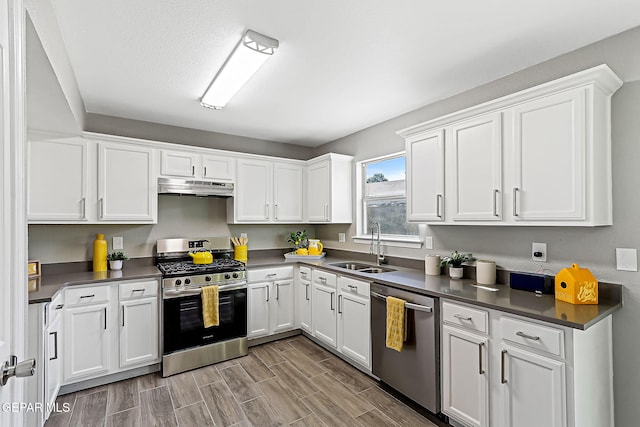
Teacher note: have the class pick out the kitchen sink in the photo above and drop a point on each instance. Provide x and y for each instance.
(362, 268)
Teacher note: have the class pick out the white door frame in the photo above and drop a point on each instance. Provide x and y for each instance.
(13, 225)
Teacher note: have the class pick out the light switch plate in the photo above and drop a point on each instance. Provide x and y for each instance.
(428, 242)
(342, 237)
(118, 243)
(626, 259)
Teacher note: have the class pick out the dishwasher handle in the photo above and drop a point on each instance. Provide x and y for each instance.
(407, 305)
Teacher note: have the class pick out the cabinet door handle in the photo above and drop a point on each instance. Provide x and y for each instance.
(503, 380)
(277, 291)
(105, 318)
(529, 337)
(515, 201)
(352, 287)
(270, 275)
(101, 208)
(480, 364)
(438, 205)
(59, 306)
(267, 292)
(303, 273)
(123, 315)
(55, 345)
(461, 317)
(83, 201)
(326, 211)
(137, 290)
(204, 171)
(495, 202)
(193, 170)
(266, 210)
(306, 291)
(87, 296)
(339, 304)
(332, 307)
(323, 279)
(275, 211)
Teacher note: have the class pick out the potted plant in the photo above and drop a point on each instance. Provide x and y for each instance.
(298, 241)
(455, 261)
(115, 260)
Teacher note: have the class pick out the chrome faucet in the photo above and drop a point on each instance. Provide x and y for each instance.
(375, 226)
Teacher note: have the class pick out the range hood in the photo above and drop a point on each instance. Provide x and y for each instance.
(194, 187)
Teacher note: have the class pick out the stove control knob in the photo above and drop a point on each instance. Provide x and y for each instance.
(178, 282)
(207, 279)
(187, 281)
(235, 275)
(226, 276)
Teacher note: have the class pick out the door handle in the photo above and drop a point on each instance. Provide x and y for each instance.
(529, 337)
(275, 211)
(339, 304)
(55, 345)
(480, 364)
(123, 315)
(332, 307)
(204, 171)
(503, 380)
(101, 208)
(267, 292)
(306, 291)
(438, 205)
(407, 305)
(84, 208)
(495, 202)
(193, 171)
(105, 318)
(11, 368)
(461, 317)
(515, 201)
(277, 291)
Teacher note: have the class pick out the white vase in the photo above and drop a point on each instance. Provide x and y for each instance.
(115, 265)
(455, 272)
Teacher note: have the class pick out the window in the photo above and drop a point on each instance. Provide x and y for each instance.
(384, 197)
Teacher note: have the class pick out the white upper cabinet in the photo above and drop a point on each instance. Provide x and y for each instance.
(425, 176)
(81, 180)
(188, 164)
(58, 179)
(328, 195)
(127, 188)
(267, 192)
(541, 156)
(476, 168)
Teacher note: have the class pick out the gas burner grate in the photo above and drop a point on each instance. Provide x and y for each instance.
(187, 267)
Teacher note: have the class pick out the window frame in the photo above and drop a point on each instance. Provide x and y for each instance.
(398, 240)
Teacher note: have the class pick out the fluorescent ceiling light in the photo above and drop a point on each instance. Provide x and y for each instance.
(247, 57)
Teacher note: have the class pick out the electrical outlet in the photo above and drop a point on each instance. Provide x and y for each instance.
(342, 237)
(118, 243)
(428, 242)
(243, 235)
(539, 252)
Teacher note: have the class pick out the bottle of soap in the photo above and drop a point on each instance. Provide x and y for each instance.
(99, 253)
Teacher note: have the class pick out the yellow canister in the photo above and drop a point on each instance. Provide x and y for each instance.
(576, 285)
(99, 253)
(240, 253)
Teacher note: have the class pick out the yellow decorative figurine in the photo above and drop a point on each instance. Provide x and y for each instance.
(576, 285)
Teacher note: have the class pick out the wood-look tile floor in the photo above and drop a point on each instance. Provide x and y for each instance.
(289, 382)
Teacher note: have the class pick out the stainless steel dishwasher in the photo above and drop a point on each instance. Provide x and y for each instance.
(414, 371)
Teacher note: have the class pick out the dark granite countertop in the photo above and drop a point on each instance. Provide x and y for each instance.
(527, 304)
(45, 287)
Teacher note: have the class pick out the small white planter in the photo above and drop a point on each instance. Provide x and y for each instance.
(455, 272)
(115, 265)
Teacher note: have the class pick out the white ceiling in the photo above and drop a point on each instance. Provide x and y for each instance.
(342, 65)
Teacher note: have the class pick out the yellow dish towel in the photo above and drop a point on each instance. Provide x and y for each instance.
(396, 323)
(210, 306)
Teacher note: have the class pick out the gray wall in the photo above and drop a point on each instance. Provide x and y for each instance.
(510, 246)
(177, 217)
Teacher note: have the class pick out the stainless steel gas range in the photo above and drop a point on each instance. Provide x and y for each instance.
(187, 344)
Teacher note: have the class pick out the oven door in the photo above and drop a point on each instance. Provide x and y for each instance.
(184, 326)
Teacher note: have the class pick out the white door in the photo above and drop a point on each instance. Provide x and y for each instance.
(465, 379)
(526, 378)
(324, 314)
(425, 177)
(138, 331)
(282, 303)
(178, 163)
(304, 305)
(127, 188)
(13, 228)
(86, 341)
(58, 179)
(253, 192)
(476, 163)
(220, 168)
(354, 332)
(258, 317)
(319, 191)
(550, 131)
(287, 192)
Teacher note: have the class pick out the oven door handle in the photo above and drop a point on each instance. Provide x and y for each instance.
(169, 293)
(407, 305)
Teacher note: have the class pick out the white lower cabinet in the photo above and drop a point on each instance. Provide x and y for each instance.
(138, 335)
(503, 370)
(324, 307)
(303, 300)
(270, 301)
(354, 320)
(98, 340)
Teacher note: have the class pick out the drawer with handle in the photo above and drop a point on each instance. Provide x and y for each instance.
(54, 309)
(323, 278)
(305, 273)
(269, 274)
(85, 296)
(357, 287)
(533, 335)
(466, 317)
(129, 290)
